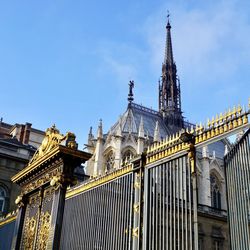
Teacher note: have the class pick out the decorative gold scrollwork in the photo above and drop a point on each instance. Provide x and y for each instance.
(56, 181)
(43, 233)
(30, 227)
(52, 139)
(19, 201)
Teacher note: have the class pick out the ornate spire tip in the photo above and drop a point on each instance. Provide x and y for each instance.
(168, 20)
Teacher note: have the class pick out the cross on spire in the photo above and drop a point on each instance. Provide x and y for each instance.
(168, 15)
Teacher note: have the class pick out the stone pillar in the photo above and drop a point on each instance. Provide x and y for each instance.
(157, 132)
(98, 165)
(118, 146)
(118, 155)
(204, 191)
(141, 138)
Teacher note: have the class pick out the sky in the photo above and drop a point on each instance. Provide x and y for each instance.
(69, 62)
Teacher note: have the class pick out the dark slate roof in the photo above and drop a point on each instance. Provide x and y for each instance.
(130, 121)
(15, 143)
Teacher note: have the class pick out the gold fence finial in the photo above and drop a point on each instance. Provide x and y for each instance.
(173, 139)
(221, 117)
(217, 119)
(196, 127)
(208, 123)
(170, 138)
(239, 109)
(234, 111)
(212, 121)
(192, 129)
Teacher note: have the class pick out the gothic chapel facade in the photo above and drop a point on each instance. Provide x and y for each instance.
(140, 126)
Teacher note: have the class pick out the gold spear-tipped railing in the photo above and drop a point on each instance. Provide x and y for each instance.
(217, 128)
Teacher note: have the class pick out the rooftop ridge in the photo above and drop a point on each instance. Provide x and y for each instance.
(145, 109)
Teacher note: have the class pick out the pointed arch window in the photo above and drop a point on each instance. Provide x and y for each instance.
(3, 195)
(215, 192)
(127, 156)
(110, 161)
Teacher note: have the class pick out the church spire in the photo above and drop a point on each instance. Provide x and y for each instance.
(169, 59)
(169, 87)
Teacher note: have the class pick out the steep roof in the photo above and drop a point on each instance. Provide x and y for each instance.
(130, 121)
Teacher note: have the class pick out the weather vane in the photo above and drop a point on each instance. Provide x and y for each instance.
(168, 15)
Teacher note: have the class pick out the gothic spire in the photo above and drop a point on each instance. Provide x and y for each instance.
(157, 132)
(169, 87)
(99, 130)
(90, 136)
(169, 59)
(141, 129)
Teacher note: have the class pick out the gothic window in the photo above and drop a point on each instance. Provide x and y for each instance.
(215, 192)
(127, 156)
(2, 199)
(110, 161)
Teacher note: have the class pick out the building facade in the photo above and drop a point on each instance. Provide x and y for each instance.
(140, 126)
(18, 143)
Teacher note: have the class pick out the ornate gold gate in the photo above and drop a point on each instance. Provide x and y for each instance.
(43, 186)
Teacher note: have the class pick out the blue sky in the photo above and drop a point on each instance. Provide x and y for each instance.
(69, 62)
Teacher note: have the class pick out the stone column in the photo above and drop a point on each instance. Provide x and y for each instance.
(118, 150)
(204, 191)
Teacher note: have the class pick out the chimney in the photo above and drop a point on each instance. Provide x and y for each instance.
(26, 136)
(21, 133)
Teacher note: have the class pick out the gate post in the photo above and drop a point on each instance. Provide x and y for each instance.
(56, 217)
(190, 139)
(20, 201)
(138, 167)
(43, 186)
(192, 162)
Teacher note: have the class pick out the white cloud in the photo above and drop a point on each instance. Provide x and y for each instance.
(120, 60)
(207, 42)
(122, 71)
(211, 46)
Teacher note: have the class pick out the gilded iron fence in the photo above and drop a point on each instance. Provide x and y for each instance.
(6, 232)
(168, 209)
(109, 212)
(100, 217)
(237, 168)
